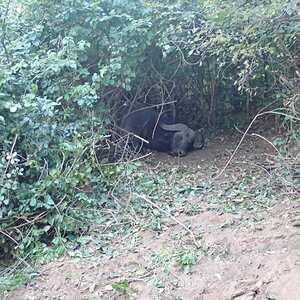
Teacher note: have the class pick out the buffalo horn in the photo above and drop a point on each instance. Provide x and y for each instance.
(174, 127)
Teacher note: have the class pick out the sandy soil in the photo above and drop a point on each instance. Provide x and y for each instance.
(241, 254)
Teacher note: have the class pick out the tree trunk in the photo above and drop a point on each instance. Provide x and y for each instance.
(201, 88)
(213, 100)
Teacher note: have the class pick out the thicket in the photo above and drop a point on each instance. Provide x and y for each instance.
(66, 65)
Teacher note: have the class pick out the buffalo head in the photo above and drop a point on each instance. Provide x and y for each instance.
(182, 139)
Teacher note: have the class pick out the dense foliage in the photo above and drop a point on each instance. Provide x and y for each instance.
(65, 65)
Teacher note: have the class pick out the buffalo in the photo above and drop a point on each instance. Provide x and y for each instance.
(156, 130)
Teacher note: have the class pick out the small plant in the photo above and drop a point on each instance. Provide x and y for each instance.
(123, 287)
(186, 260)
(9, 283)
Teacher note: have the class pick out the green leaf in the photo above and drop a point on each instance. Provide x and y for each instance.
(33, 202)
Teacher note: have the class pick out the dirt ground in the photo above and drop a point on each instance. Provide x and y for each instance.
(240, 253)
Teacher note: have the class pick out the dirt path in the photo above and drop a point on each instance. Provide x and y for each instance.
(248, 240)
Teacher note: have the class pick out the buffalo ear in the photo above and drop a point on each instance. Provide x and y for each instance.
(199, 145)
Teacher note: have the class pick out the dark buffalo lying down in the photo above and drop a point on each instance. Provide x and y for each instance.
(158, 129)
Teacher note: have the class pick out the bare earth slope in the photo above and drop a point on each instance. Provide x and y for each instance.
(245, 252)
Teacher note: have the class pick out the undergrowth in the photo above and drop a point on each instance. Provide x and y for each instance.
(122, 211)
(65, 181)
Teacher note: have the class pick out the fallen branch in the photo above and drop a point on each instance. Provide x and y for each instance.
(170, 216)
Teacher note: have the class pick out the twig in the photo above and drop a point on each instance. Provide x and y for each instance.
(140, 278)
(44, 170)
(246, 133)
(270, 143)
(11, 238)
(170, 216)
(24, 261)
(11, 152)
(39, 216)
(13, 268)
(58, 204)
(236, 149)
(131, 160)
